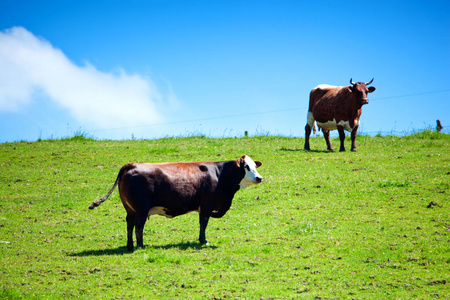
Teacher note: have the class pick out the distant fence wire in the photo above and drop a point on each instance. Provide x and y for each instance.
(405, 132)
(412, 95)
(199, 120)
(445, 128)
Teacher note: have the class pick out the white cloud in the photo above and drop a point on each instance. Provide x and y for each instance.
(29, 64)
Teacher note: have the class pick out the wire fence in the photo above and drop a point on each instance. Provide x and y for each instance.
(444, 129)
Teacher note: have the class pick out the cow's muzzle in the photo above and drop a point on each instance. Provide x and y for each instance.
(258, 179)
(365, 101)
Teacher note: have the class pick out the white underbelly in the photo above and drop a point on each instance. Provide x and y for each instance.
(159, 210)
(162, 211)
(332, 125)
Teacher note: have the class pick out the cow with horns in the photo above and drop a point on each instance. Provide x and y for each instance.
(334, 107)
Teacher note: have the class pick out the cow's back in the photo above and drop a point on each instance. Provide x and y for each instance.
(327, 101)
(323, 94)
(175, 186)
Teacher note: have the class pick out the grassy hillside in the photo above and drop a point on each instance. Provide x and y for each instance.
(368, 225)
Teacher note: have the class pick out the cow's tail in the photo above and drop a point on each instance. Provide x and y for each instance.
(103, 199)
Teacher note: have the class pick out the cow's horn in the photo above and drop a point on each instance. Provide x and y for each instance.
(351, 81)
(369, 82)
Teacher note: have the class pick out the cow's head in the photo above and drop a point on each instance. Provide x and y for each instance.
(251, 175)
(360, 91)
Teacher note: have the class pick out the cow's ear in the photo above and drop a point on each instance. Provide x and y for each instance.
(238, 164)
(241, 161)
(372, 89)
(258, 163)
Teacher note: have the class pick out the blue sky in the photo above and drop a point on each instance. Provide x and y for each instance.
(151, 69)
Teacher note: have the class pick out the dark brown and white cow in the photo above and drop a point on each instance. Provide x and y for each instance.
(335, 107)
(173, 189)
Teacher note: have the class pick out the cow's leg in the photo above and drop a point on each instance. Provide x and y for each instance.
(309, 125)
(130, 227)
(307, 134)
(139, 224)
(204, 218)
(341, 137)
(326, 135)
(353, 136)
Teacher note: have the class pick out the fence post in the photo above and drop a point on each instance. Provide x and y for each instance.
(438, 126)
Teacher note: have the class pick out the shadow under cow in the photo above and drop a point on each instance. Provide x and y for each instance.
(124, 250)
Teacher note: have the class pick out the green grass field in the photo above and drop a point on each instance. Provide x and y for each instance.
(374, 224)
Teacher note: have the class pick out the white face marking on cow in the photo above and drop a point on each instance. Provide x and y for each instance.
(251, 174)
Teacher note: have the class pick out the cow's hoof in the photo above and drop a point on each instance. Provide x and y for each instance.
(130, 249)
(354, 150)
(203, 242)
